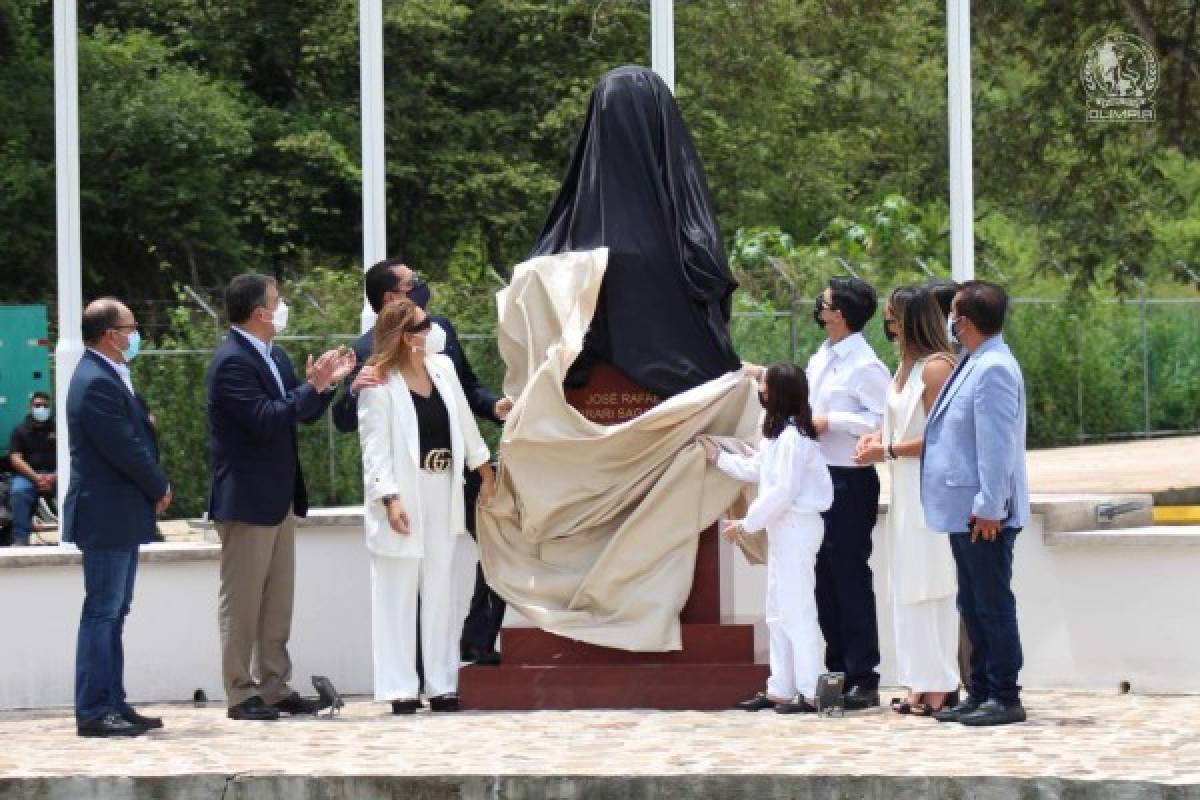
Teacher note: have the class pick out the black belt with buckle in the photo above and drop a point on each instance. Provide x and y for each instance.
(437, 460)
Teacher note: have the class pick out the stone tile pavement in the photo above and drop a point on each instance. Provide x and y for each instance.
(1071, 735)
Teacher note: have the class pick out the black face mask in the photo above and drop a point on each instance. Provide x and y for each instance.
(762, 398)
(889, 332)
(419, 293)
(820, 306)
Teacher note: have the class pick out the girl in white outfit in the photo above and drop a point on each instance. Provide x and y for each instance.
(416, 432)
(794, 487)
(922, 576)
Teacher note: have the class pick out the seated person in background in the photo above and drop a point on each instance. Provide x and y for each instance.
(34, 461)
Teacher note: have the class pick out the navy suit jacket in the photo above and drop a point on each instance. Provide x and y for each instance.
(256, 474)
(115, 477)
(479, 397)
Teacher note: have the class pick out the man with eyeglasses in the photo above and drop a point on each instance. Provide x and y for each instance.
(386, 282)
(116, 488)
(32, 453)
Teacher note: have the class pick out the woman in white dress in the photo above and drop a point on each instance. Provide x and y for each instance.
(417, 433)
(922, 579)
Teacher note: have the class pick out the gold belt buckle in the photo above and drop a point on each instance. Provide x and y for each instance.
(437, 460)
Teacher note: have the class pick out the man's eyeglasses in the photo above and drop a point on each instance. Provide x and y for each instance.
(123, 328)
(413, 282)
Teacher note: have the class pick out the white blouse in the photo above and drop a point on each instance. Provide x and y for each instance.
(791, 475)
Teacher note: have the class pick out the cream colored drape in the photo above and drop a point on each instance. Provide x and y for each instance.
(592, 533)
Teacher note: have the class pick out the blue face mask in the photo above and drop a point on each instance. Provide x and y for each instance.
(131, 350)
(41, 413)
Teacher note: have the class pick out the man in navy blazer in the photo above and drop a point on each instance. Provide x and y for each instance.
(385, 283)
(254, 404)
(974, 486)
(115, 488)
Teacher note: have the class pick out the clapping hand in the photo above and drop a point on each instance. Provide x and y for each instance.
(367, 378)
(344, 365)
(329, 368)
(502, 407)
(869, 449)
(731, 529)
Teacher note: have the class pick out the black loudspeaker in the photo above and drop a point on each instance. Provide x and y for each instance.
(829, 700)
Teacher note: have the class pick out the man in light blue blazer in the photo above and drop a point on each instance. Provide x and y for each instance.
(973, 485)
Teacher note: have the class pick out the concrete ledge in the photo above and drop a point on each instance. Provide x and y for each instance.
(591, 787)
(66, 555)
(1157, 536)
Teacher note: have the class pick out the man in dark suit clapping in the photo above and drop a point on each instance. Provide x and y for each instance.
(255, 401)
(116, 487)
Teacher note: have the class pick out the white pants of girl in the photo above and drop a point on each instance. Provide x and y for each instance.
(796, 646)
(926, 644)
(395, 583)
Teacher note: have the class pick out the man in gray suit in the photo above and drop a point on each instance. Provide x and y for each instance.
(973, 485)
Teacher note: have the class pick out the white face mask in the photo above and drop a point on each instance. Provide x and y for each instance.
(279, 317)
(435, 340)
(41, 413)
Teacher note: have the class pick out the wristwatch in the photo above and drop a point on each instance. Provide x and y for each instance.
(891, 454)
(388, 499)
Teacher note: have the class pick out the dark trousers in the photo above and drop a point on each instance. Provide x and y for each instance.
(989, 610)
(845, 588)
(108, 577)
(486, 615)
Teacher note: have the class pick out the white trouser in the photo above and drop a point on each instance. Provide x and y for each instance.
(394, 588)
(926, 644)
(792, 545)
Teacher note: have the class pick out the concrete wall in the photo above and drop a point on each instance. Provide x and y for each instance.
(1095, 609)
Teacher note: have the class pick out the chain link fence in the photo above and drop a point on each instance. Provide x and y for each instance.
(1104, 370)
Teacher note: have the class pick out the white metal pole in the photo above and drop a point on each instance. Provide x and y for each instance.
(374, 165)
(962, 207)
(662, 40)
(69, 348)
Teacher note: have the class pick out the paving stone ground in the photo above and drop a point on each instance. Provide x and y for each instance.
(1071, 735)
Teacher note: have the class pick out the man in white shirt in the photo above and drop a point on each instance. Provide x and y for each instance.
(847, 390)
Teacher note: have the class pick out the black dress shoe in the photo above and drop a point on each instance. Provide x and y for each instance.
(797, 705)
(756, 703)
(253, 709)
(109, 726)
(994, 713)
(405, 706)
(149, 723)
(295, 704)
(956, 713)
(474, 655)
(859, 699)
(444, 702)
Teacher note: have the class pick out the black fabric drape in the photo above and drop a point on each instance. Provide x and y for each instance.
(636, 185)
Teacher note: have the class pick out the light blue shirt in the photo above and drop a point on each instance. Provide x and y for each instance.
(264, 350)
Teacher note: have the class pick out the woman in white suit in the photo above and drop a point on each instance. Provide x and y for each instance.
(417, 433)
(922, 577)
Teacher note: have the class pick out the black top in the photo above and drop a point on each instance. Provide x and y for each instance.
(636, 185)
(433, 423)
(36, 443)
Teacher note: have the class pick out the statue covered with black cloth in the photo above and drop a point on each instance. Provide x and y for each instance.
(636, 186)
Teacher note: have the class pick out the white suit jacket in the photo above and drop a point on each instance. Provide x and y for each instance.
(387, 430)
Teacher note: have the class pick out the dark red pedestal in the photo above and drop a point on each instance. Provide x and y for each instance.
(540, 670)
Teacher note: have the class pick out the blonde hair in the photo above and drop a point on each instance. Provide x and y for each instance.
(922, 326)
(389, 353)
